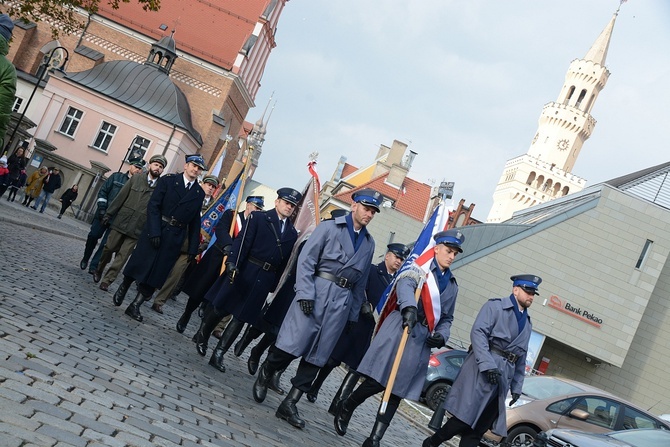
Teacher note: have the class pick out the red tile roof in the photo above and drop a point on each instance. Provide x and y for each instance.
(214, 31)
(348, 170)
(413, 202)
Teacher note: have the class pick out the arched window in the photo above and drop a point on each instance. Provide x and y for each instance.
(566, 190)
(570, 92)
(531, 177)
(557, 188)
(540, 181)
(581, 98)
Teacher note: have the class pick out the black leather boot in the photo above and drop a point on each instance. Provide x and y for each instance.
(377, 434)
(346, 388)
(256, 353)
(183, 322)
(120, 293)
(227, 338)
(133, 310)
(288, 411)
(208, 324)
(313, 392)
(345, 409)
(275, 382)
(249, 335)
(428, 442)
(260, 389)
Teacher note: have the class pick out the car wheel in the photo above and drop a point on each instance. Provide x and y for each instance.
(521, 436)
(436, 393)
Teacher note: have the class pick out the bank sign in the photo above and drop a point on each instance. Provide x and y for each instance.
(575, 311)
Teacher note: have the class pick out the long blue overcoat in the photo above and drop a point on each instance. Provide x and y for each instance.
(378, 360)
(495, 325)
(352, 345)
(244, 298)
(170, 198)
(329, 249)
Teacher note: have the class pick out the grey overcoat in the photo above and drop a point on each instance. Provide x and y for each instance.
(329, 249)
(495, 325)
(378, 360)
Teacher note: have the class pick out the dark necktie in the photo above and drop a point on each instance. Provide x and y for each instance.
(188, 186)
(281, 226)
(151, 183)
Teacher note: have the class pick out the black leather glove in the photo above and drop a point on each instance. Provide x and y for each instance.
(106, 220)
(435, 340)
(367, 311)
(202, 247)
(227, 250)
(307, 306)
(232, 270)
(101, 212)
(349, 327)
(492, 375)
(156, 242)
(409, 318)
(515, 397)
(190, 258)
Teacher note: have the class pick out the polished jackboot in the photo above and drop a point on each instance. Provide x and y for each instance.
(260, 389)
(377, 434)
(345, 409)
(288, 411)
(346, 388)
(249, 335)
(183, 322)
(275, 382)
(133, 310)
(207, 325)
(120, 293)
(227, 338)
(256, 353)
(313, 392)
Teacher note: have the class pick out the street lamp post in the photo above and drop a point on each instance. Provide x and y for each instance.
(45, 63)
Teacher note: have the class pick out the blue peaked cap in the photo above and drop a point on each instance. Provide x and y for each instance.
(529, 283)
(197, 160)
(453, 238)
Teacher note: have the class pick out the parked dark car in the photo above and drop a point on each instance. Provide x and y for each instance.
(443, 367)
(554, 403)
(626, 438)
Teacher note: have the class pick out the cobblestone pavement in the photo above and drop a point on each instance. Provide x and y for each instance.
(74, 370)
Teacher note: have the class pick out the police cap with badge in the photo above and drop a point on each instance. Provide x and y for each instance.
(257, 201)
(451, 238)
(289, 195)
(158, 158)
(368, 197)
(400, 250)
(197, 160)
(529, 283)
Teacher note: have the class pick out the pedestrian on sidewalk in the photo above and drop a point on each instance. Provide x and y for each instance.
(4, 175)
(173, 214)
(51, 183)
(34, 185)
(67, 198)
(429, 327)
(496, 363)
(16, 163)
(330, 289)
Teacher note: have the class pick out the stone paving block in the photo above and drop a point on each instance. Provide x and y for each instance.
(34, 393)
(133, 440)
(101, 438)
(61, 422)
(62, 435)
(77, 410)
(92, 424)
(28, 436)
(26, 363)
(8, 440)
(38, 406)
(121, 426)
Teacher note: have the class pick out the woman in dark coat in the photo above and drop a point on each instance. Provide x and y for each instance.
(67, 198)
(16, 164)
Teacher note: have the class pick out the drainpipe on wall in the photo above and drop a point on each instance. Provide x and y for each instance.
(167, 144)
(88, 22)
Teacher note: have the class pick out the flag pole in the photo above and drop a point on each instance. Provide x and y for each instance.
(243, 180)
(398, 358)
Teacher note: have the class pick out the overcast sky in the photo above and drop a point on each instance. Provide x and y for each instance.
(462, 83)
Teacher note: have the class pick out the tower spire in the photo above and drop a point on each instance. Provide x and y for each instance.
(598, 52)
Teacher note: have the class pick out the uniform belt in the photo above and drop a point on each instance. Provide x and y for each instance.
(264, 265)
(173, 222)
(509, 356)
(338, 280)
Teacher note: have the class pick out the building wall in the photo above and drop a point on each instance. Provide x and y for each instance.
(588, 259)
(389, 221)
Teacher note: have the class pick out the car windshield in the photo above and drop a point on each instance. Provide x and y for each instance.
(545, 387)
(643, 438)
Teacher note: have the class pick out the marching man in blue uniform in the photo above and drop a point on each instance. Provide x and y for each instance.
(330, 289)
(353, 344)
(173, 214)
(429, 324)
(259, 255)
(496, 364)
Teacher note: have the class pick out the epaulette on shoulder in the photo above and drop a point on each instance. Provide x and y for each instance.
(413, 272)
(495, 299)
